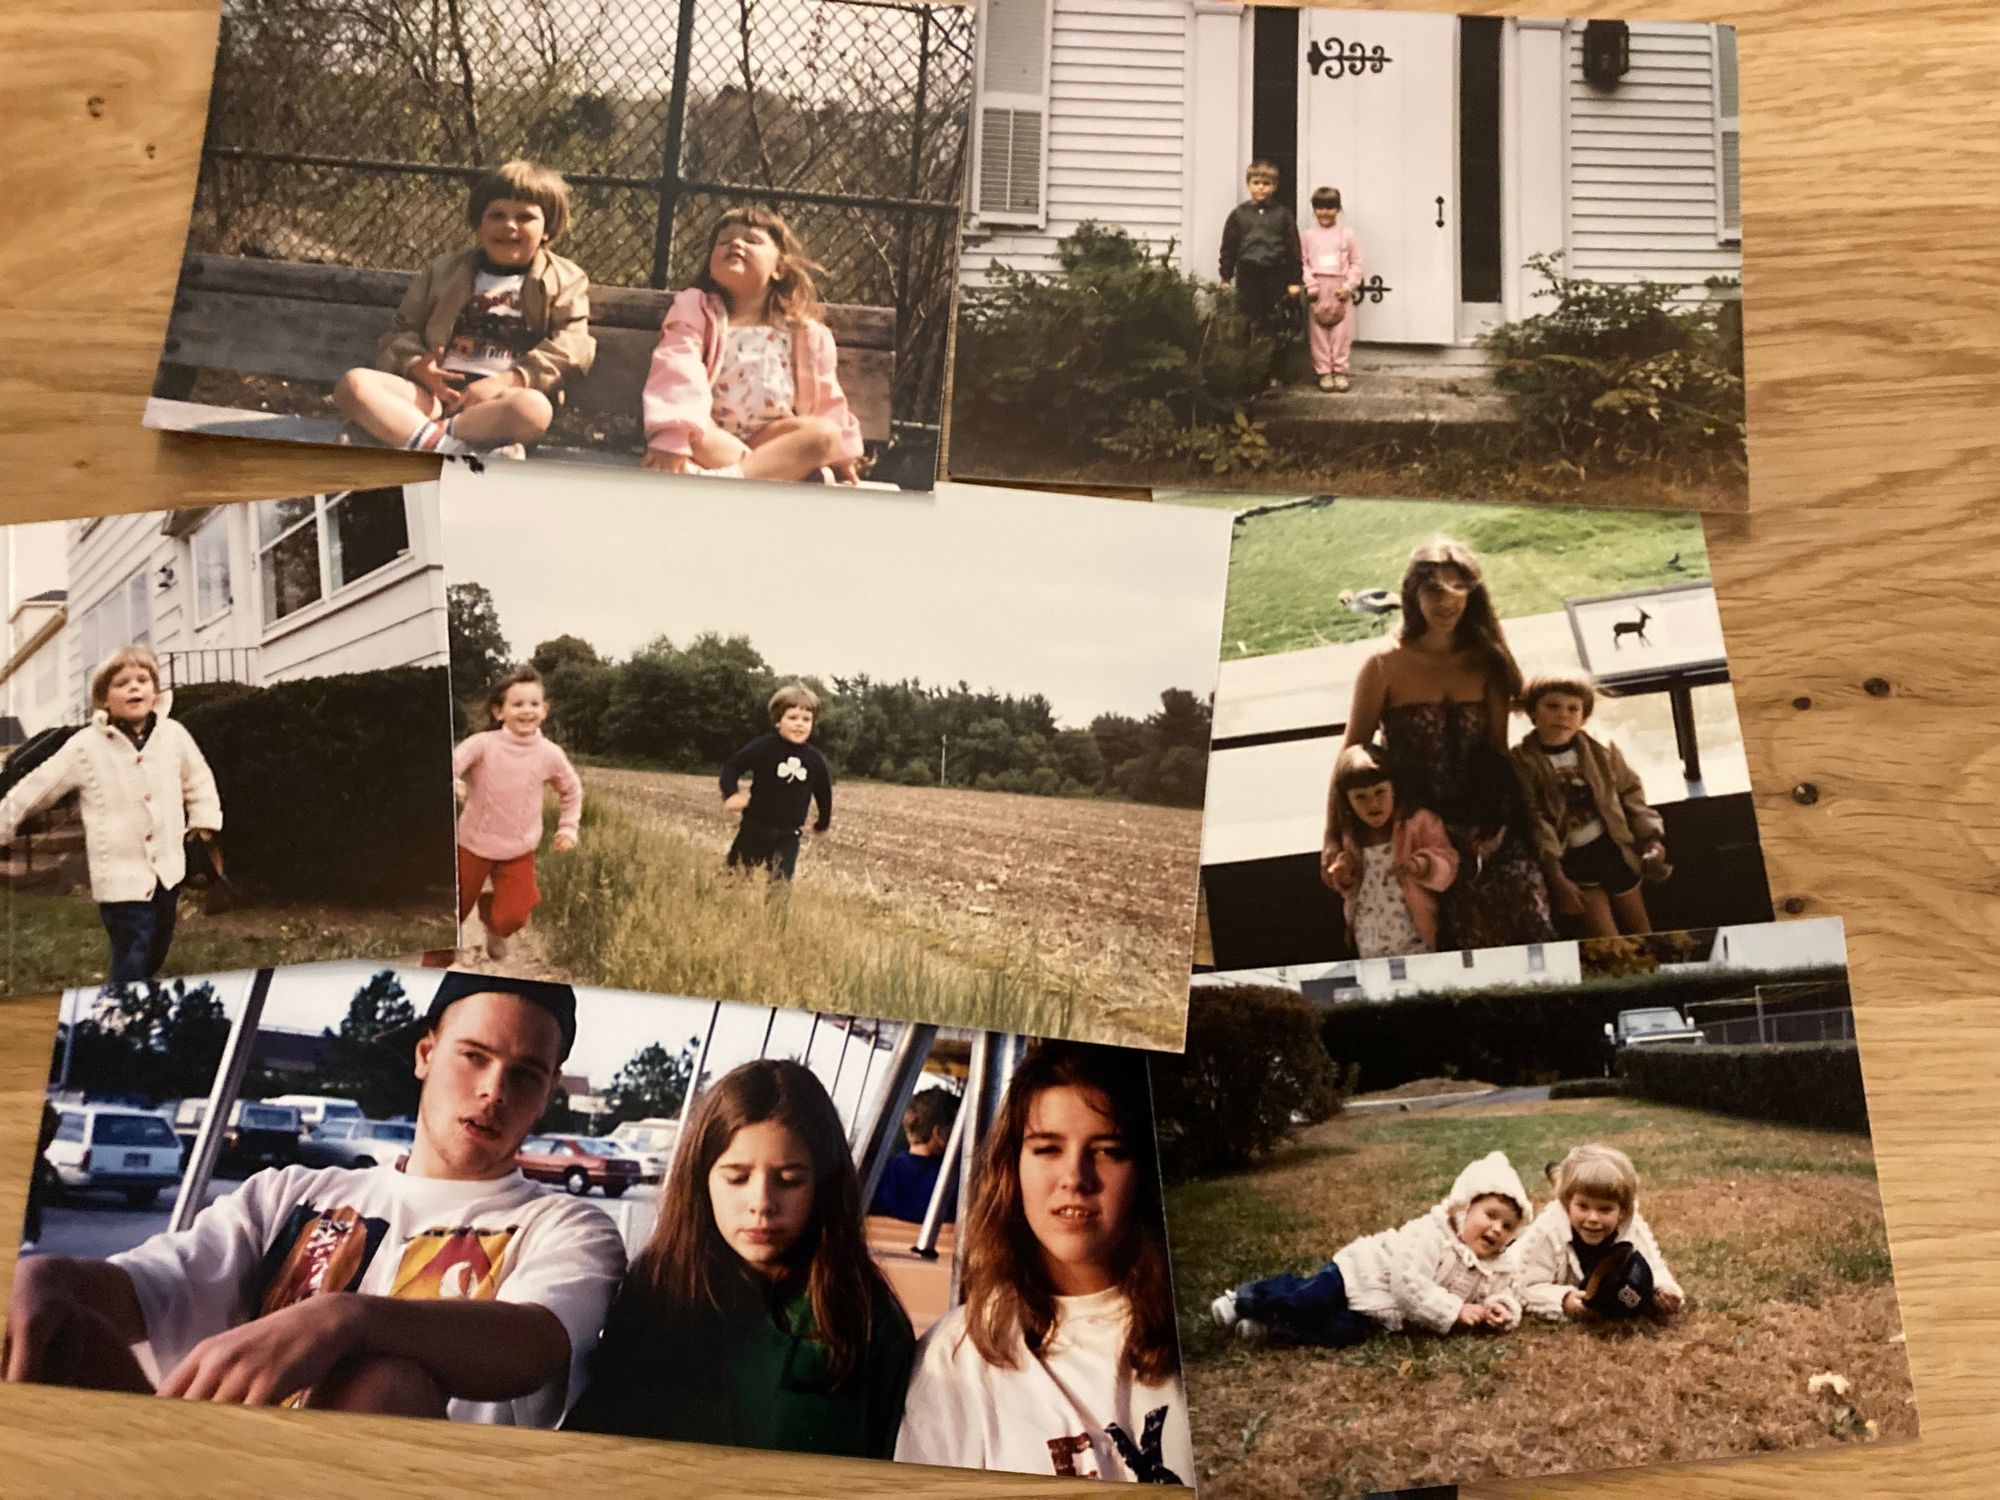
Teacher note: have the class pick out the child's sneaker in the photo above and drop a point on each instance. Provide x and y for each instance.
(1223, 1310)
(1342, 384)
(515, 451)
(1326, 382)
(496, 945)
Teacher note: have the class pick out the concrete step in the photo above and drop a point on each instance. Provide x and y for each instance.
(1384, 405)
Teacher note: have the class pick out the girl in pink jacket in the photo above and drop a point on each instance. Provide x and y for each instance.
(1388, 860)
(499, 774)
(743, 381)
(1332, 276)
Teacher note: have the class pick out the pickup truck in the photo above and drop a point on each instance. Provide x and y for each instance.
(1648, 1026)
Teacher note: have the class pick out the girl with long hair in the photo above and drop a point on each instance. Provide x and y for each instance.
(1062, 1358)
(745, 381)
(754, 1315)
(1440, 698)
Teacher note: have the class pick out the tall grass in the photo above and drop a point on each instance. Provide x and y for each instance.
(639, 905)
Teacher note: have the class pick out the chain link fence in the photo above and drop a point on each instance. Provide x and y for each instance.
(347, 131)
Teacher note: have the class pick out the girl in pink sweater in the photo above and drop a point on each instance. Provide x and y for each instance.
(744, 380)
(499, 774)
(1387, 859)
(1333, 274)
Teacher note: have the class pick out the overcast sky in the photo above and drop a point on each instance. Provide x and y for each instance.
(1098, 604)
(612, 1025)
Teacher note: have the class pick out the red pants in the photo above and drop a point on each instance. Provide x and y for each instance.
(506, 911)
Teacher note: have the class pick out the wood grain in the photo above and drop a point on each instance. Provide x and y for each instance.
(1872, 303)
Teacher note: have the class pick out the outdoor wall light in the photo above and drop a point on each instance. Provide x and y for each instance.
(166, 576)
(1607, 52)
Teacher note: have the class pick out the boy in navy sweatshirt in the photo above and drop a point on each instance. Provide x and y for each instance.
(785, 774)
(1261, 252)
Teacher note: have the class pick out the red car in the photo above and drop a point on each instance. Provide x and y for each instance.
(578, 1162)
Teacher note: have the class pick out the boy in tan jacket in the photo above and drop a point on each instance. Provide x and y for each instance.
(1595, 834)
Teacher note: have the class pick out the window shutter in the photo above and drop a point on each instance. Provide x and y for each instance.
(1728, 139)
(1012, 157)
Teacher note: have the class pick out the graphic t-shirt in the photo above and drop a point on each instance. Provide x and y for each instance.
(1580, 823)
(1075, 1411)
(784, 780)
(491, 332)
(291, 1232)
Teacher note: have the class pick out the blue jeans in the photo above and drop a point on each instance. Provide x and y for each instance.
(1305, 1309)
(141, 932)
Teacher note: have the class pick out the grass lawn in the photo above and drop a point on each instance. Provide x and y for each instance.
(57, 941)
(1288, 568)
(1775, 1233)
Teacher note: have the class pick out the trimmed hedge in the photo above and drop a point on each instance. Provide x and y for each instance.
(333, 788)
(1253, 1069)
(1804, 1083)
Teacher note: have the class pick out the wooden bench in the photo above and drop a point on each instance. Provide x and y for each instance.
(314, 322)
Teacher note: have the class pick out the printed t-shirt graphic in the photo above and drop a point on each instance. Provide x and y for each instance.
(491, 332)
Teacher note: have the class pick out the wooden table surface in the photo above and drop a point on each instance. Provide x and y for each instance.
(1858, 597)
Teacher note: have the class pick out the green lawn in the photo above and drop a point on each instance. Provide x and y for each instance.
(1774, 1232)
(1288, 568)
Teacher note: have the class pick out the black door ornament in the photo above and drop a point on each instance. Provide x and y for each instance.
(1334, 58)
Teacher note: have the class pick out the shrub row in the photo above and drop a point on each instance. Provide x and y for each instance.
(333, 788)
(1804, 1083)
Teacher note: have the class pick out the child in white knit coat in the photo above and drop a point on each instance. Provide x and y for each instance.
(1595, 1212)
(144, 787)
(1443, 1270)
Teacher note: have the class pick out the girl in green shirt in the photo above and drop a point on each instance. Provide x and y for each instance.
(755, 1316)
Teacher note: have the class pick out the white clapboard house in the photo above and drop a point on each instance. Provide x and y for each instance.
(345, 581)
(1462, 145)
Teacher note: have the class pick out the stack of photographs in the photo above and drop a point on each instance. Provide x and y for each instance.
(907, 954)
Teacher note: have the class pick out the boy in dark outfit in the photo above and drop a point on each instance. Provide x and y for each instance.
(786, 773)
(1261, 252)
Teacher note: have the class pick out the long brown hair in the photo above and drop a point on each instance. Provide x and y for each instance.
(1478, 627)
(687, 1266)
(792, 298)
(1010, 1300)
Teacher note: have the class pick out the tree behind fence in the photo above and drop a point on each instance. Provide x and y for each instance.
(347, 132)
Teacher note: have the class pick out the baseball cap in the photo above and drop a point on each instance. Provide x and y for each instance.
(559, 1000)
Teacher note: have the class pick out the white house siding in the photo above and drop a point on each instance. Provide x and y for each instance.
(104, 554)
(1116, 132)
(1644, 190)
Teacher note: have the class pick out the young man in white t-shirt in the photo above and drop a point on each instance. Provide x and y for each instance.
(451, 1287)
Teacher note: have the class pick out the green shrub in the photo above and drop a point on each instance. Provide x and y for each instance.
(1253, 1069)
(1119, 355)
(1589, 1088)
(1619, 372)
(333, 788)
(1805, 1083)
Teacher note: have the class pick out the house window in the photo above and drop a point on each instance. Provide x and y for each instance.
(1538, 961)
(1399, 969)
(315, 545)
(1011, 156)
(212, 596)
(1465, 958)
(1728, 141)
(121, 618)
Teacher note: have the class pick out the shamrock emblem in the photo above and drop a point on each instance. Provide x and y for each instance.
(791, 768)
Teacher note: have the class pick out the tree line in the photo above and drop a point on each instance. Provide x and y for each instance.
(689, 707)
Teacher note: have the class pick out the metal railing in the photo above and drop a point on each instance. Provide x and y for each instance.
(347, 131)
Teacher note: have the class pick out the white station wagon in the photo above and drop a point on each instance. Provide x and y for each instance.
(102, 1147)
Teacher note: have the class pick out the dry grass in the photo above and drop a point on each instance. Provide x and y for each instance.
(1052, 916)
(1775, 1233)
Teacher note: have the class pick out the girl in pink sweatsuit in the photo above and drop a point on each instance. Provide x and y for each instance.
(744, 380)
(1332, 276)
(499, 774)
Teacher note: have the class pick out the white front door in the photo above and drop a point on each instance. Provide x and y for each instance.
(1378, 119)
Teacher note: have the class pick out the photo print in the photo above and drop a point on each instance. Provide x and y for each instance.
(565, 231)
(760, 1227)
(1273, 248)
(1528, 1211)
(934, 758)
(1445, 727)
(222, 730)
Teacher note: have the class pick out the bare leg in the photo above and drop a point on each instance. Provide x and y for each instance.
(382, 1384)
(792, 448)
(1597, 918)
(387, 407)
(1631, 910)
(518, 417)
(85, 1350)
